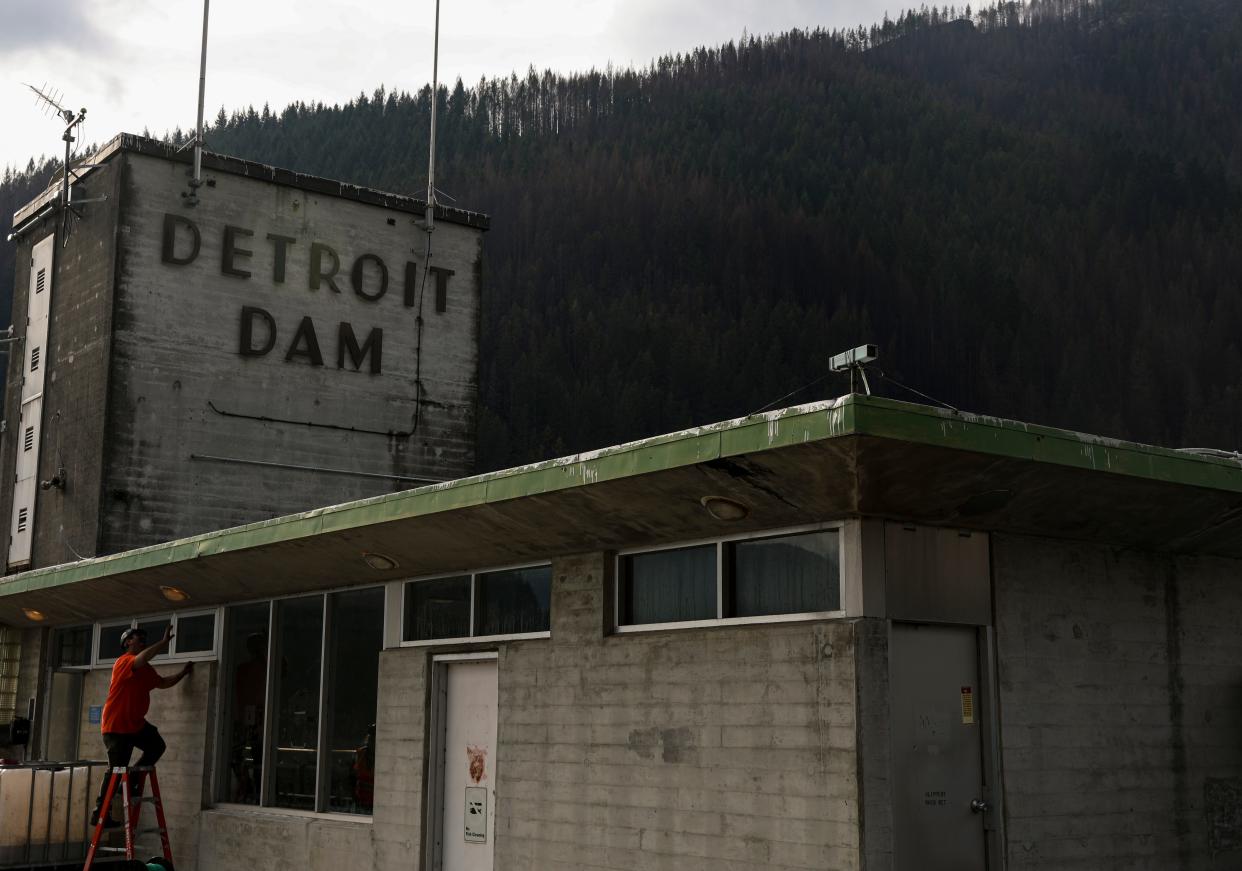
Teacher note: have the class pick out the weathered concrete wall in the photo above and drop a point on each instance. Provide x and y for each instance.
(184, 716)
(253, 837)
(66, 521)
(1121, 707)
(721, 749)
(182, 390)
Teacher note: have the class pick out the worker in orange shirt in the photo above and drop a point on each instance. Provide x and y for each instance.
(124, 723)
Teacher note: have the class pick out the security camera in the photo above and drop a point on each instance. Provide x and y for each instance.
(854, 357)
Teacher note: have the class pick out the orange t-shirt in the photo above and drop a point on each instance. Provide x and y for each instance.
(129, 696)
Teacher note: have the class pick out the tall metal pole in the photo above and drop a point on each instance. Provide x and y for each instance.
(197, 181)
(430, 216)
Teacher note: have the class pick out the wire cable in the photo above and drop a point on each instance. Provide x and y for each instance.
(791, 393)
(920, 393)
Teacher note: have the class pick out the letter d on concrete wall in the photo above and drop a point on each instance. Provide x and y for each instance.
(168, 248)
(248, 315)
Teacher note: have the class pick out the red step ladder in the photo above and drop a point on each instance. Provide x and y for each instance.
(131, 782)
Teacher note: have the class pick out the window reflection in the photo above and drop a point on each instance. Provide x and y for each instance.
(245, 649)
(513, 601)
(295, 732)
(787, 574)
(356, 638)
(669, 586)
(439, 608)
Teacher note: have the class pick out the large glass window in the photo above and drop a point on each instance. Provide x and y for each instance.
(300, 706)
(244, 687)
(762, 576)
(298, 634)
(669, 586)
(504, 602)
(356, 637)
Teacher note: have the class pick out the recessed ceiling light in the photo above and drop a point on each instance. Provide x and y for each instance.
(723, 508)
(379, 561)
(32, 614)
(174, 594)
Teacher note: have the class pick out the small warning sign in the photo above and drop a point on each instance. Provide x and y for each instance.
(968, 706)
(94, 714)
(476, 815)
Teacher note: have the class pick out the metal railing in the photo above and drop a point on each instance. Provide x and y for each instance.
(52, 835)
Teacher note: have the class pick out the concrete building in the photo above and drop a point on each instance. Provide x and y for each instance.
(288, 342)
(858, 634)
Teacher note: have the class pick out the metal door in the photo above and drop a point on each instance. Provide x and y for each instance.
(64, 715)
(467, 809)
(938, 818)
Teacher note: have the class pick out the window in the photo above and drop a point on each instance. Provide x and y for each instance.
(71, 646)
(297, 646)
(669, 586)
(759, 577)
(786, 574)
(194, 636)
(243, 680)
(303, 738)
(504, 602)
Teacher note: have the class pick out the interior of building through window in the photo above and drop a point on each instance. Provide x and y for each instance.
(437, 608)
(786, 574)
(356, 636)
(155, 631)
(669, 586)
(244, 694)
(513, 601)
(295, 668)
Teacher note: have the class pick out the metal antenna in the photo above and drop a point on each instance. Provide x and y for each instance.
(197, 181)
(51, 100)
(429, 222)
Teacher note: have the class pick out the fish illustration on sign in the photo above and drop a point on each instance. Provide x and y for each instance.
(478, 761)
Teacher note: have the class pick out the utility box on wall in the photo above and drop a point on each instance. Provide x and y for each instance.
(288, 342)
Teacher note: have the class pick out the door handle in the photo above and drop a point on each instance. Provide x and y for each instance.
(979, 806)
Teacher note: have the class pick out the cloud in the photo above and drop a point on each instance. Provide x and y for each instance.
(38, 25)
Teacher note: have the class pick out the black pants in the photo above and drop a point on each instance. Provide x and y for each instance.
(121, 747)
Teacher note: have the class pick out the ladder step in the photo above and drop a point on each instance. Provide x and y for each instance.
(153, 830)
(102, 849)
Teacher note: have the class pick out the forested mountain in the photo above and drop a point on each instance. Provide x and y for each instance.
(1034, 210)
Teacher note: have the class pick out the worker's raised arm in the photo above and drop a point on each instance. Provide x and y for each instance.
(144, 658)
(174, 679)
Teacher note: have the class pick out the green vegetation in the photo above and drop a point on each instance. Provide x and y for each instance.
(1035, 211)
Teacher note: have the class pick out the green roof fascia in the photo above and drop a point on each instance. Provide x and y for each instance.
(684, 448)
(849, 415)
(902, 421)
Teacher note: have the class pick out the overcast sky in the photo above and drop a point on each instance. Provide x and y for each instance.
(134, 63)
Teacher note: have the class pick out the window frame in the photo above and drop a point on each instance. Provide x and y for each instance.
(219, 757)
(217, 612)
(54, 652)
(721, 543)
(473, 574)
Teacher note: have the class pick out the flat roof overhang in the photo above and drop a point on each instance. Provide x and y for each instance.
(854, 456)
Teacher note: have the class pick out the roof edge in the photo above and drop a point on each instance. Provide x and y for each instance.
(129, 142)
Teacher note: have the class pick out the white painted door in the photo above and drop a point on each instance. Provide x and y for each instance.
(30, 422)
(468, 808)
